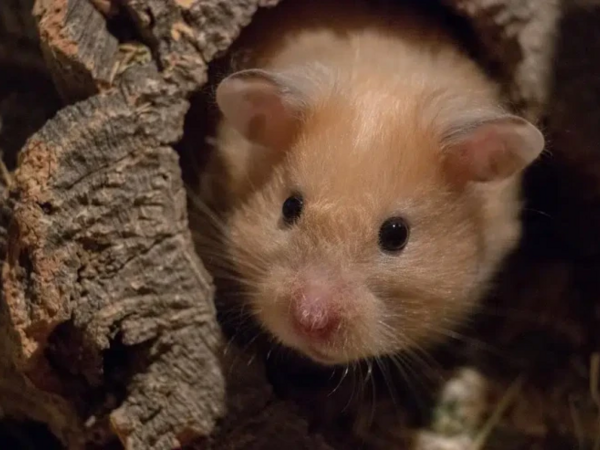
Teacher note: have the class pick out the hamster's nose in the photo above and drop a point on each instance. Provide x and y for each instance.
(315, 314)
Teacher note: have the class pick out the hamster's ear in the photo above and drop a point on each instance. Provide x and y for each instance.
(493, 149)
(260, 106)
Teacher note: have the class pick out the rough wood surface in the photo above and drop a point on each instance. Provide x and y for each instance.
(83, 266)
(77, 48)
(108, 332)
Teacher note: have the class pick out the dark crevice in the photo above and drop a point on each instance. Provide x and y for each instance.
(122, 362)
(48, 208)
(127, 26)
(120, 24)
(78, 366)
(199, 126)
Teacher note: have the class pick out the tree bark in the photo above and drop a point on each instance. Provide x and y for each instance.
(108, 332)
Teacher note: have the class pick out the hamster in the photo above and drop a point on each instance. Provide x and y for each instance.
(371, 178)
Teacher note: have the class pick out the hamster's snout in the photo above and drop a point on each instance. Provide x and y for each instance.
(326, 313)
(315, 312)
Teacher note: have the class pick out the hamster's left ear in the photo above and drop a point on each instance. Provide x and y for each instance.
(494, 148)
(261, 105)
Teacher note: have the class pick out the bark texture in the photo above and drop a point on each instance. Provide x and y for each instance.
(108, 331)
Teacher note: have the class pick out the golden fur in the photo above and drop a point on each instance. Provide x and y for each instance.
(380, 93)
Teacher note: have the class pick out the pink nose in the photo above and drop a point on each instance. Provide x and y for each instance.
(315, 313)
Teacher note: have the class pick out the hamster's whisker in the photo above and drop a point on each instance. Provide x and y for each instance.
(388, 381)
(232, 339)
(374, 390)
(239, 354)
(370, 370)
(200, 206)
(470, 341)
(217, 225)
(423, 357)
(223, 241)
(353, 390)
(361, 384)
(341, 380)
(416, 353)
(214, 257)
(248, 285)
(237, 317)
(411, 365)
(412, 378)
(250, 342)
(537, 211)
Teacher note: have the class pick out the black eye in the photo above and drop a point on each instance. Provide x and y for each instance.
(393, 234)
(292, 208)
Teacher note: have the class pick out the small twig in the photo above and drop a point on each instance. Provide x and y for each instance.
(496, 416)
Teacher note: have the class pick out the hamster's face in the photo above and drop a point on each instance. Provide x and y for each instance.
(359, 245)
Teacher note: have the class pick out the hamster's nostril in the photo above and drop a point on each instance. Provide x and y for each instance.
(315, 315)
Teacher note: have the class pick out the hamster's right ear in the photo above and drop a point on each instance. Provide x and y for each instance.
(261, 106)
(493, 148)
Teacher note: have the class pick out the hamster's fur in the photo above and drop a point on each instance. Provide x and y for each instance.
(364, 115)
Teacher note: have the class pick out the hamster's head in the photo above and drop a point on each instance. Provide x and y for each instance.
(373, 223)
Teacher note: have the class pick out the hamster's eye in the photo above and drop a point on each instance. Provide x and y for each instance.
(393, 234)
(292, 209)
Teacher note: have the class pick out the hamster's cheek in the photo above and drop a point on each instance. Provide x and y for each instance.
(421, 321)
(255, 229)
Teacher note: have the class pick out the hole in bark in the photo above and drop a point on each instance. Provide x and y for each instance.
(121, 26)
(122, 362)
(25, 261)
(48, 208)
(95, 380)
(77, 366)
(129, 27)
